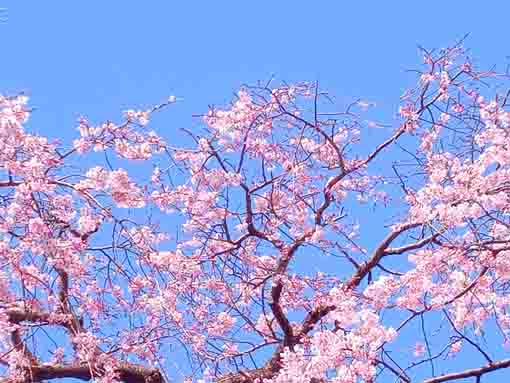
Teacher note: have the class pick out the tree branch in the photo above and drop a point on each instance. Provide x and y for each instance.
(474, 373)
(128, 373)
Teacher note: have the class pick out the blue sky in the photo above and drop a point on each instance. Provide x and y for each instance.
(97, 58)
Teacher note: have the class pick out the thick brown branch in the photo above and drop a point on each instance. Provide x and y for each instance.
(316, 315)
(412, 246)
(128, 373)
(75, 325)
(376, 257)
(473, 373)
(17, 315)
(280, 315)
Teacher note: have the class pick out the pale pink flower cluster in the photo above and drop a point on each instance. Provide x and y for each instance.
(87, 345)
(124, 192)
(263, 199)
(128, 140)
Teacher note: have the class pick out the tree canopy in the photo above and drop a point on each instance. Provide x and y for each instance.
(244, 256)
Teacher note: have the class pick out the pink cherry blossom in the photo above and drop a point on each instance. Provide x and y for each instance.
(281, 243)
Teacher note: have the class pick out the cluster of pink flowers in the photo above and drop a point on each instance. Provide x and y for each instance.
(128, 140)
(122, 190)
(266, 195)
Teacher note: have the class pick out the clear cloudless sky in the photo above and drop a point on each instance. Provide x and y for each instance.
(97, 58)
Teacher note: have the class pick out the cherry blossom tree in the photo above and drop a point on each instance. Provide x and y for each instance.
(254, 253)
